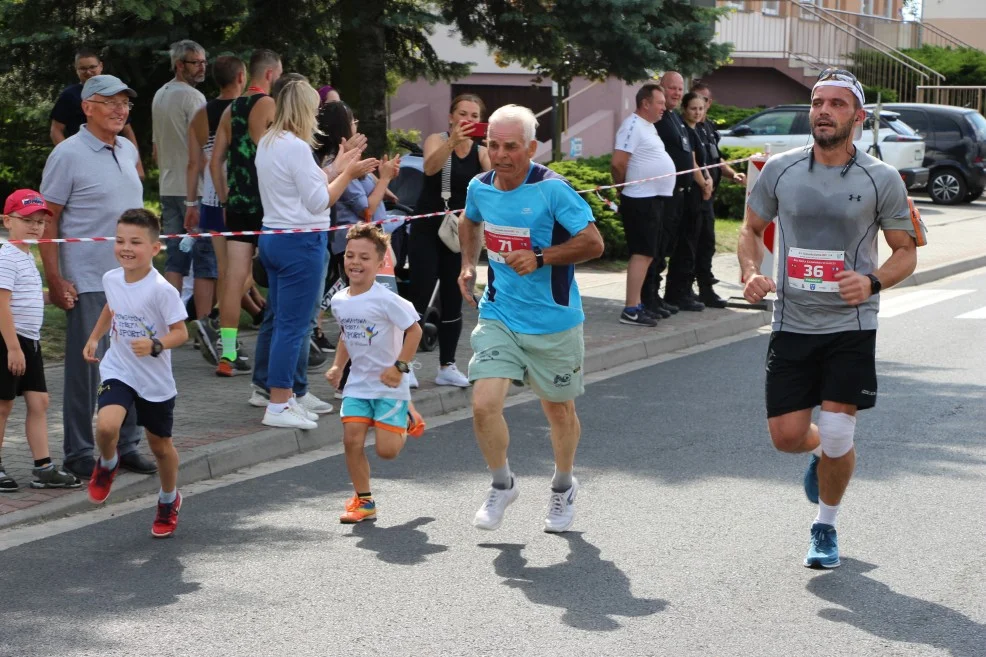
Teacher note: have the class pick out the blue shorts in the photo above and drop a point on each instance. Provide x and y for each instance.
(388, 414)
(157, 417)
(203, 256)
(211, 218)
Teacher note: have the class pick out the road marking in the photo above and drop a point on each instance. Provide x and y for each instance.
(974, 314)
(905, 303)
(17, 536)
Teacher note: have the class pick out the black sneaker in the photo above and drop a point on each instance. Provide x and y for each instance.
(669, 307)
(689, 304)
(657, 311)
(316, 357)
(322, 342)
(637, 317)
(709, 297)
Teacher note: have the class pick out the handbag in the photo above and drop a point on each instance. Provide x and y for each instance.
(448, 231)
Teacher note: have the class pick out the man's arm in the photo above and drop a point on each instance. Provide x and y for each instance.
(749, 250)
(217, 164)
(128, 132)
(261, 117)
(618, 166)
(57, 132)
(470, 244)
(61, 292)
(585, 245)
(855, 287)
(195, 167)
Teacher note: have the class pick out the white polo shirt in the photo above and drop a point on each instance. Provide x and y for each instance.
(648, 158)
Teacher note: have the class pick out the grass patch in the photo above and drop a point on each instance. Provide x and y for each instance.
(727, 235)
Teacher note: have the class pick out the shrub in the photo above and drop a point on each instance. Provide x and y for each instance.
(393, 136)
(587, 173)
(730, 199)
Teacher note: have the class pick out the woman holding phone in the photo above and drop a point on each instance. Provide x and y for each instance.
(457, 156)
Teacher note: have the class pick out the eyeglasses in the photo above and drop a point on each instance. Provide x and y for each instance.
(37, 223)
(195, 62)
(86, 69)
(115, 104)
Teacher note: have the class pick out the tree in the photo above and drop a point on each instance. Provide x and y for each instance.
(565, 39)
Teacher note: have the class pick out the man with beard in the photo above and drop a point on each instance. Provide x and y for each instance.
(830, 201)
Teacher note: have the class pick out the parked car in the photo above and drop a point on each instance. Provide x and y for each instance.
(785, 127)
(956, 146)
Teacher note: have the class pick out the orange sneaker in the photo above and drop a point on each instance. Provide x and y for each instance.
(415, 424)
(225, 367)
(359, 509)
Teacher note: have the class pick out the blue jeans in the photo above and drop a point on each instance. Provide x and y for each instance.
(295, 265)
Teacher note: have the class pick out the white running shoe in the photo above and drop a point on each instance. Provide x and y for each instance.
(313, 404)
(290, 418)
(490, 515)
(451, 376)
(412, 380)
(304, 412)
(258, 397)
(561, 509)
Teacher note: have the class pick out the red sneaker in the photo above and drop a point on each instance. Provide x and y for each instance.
(101, 481)
(166, 521)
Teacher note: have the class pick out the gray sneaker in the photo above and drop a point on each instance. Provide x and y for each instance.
(52, 477)
(208, 339)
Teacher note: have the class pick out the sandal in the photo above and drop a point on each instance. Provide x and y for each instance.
(7, 483)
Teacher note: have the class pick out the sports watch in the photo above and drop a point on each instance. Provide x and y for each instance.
(402, 366)
(875, 284)
(156, 347)
(539, 255)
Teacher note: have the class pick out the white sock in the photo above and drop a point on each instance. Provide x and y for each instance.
(817, 451)
(167, 498)
(109, 465)
(826, 514)
(276, 408)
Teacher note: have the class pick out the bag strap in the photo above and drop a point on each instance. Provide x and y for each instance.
(447, 177)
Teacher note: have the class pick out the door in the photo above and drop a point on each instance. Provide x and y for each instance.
(918, 120)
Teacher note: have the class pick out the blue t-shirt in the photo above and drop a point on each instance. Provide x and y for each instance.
(544, 211)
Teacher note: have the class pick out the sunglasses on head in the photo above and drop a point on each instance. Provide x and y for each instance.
(837, 74)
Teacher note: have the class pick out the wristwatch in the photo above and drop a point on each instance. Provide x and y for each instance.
(875, 284)
(402, 366)
(156, 347)
(190, 204)
(539, 255)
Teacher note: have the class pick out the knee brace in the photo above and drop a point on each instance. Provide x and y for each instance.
(836, 431)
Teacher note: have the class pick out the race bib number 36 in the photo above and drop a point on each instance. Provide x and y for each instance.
(504, 239)
(813, 270)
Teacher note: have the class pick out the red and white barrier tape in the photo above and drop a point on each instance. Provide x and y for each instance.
(398, 219)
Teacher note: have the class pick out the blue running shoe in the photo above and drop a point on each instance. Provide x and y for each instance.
(811, 480)
(823, 551)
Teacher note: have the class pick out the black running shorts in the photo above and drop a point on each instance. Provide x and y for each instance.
(803, 370)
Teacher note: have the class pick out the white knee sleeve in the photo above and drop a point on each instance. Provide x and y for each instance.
(836, 431)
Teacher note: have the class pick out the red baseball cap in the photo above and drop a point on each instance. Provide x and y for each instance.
(25, 202)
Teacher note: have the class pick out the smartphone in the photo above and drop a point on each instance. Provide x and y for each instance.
(479, 129)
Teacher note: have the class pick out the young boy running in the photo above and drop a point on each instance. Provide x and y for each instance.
(21, 313)
(145, 317)
(380, 334)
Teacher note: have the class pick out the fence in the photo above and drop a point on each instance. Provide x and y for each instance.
(972, 97)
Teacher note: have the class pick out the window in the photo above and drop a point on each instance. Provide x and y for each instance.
(773, 123)
(738, 5)
(771, 7)
(917, 119)
(867, 7)
(808, 15)
(946, 128)
(978, 124)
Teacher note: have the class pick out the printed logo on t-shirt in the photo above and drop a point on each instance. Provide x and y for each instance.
(359, 331)
(130, 326)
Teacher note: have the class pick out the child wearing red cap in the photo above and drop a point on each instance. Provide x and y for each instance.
(21, 313)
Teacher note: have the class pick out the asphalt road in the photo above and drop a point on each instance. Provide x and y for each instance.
(689, 538)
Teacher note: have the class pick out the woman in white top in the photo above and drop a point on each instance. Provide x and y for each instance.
(295, 193)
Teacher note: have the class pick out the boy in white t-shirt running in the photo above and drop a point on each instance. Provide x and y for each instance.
(379, 332)
(22, 371)
(145, 318)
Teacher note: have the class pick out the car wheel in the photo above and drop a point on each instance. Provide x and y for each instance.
(973, 194)
(947, 187)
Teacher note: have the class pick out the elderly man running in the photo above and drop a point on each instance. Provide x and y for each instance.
(535, 228)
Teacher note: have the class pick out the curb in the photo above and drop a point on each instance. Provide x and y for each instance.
(943, 271)
(218, 459)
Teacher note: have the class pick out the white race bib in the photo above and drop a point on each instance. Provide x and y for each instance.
(814, 270)
(501, 240)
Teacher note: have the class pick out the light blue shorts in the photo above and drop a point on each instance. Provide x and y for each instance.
(388, 414)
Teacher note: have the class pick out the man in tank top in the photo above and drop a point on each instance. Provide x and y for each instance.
(240, 129)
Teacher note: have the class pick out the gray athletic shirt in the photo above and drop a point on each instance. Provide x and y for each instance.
(827, 221)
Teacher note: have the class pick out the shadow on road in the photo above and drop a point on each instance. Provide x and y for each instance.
(403, 545)
(589, 589)
(874, 607)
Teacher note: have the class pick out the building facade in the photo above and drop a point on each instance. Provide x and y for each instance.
(964, 19)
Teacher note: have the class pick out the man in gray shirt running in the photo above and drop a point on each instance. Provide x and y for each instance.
(830, 201)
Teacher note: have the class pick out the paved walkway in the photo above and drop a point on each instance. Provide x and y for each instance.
(216, 431)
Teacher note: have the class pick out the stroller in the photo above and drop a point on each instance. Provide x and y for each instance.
(407, 187)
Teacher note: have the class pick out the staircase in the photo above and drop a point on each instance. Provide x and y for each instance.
(802, 40)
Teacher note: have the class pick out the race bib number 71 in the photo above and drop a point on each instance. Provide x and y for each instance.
(814, 270)
(504, 239)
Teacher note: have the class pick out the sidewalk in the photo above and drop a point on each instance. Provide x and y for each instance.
(217, 432)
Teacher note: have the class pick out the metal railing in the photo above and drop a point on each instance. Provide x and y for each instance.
(900, 34)
(972, 97)
(812, 38)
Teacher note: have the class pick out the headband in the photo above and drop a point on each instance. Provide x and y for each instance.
(855, 88)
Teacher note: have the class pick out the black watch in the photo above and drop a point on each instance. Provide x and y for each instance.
(402, 366)
(875, 284)
(539, 255)
(156, 347)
